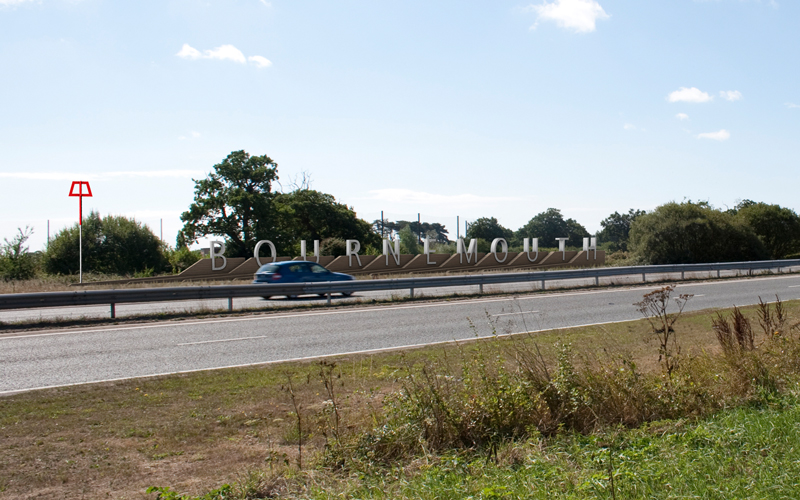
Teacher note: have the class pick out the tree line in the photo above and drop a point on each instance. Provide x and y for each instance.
(237, 202)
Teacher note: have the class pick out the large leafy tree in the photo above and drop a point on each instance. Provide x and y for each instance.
(306, 214)
(777, 227)
(111, 244)
(549, 225)
(234, 201)
(487, 228)
(617, 228)
(688, 233)
(436, 230)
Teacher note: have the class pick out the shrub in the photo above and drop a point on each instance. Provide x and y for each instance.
(16, 261)
(687, 233)
(111, 245)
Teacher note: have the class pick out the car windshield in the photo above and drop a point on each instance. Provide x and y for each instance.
(316, 268)
(268, 268)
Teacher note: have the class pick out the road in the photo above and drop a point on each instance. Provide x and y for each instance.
(56, 358)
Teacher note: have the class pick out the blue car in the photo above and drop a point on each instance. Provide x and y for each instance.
(296, 271)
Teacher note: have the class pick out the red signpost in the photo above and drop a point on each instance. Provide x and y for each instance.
(80, 194)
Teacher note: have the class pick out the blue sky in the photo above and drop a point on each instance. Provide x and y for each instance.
(445, 108)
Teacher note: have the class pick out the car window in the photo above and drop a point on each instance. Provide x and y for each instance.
(316, 268)
(268, 268)
(298, 268)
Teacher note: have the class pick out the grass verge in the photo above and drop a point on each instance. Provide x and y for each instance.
(465, 420)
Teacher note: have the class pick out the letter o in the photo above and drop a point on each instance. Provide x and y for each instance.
(271, 247)
(503, 245)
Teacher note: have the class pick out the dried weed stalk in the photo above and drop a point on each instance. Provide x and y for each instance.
(653, 307)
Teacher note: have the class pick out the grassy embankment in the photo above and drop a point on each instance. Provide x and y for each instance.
(578, 413)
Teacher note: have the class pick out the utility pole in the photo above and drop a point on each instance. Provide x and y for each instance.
(419, 230)
(457, 227)
(381, 224)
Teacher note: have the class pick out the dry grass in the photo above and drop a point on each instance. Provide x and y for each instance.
(197, 431)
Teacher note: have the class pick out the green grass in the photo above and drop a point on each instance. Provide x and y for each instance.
(740, 453)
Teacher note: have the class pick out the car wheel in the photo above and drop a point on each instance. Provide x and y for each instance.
(291, 297)
(347, 294)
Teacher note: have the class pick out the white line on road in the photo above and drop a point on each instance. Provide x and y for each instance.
(225, 340)
(521, 312)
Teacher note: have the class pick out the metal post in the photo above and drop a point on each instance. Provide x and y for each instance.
(682, 273)
(480, 288)
(542, 284)
(718, 273)
(113, 310)
(230, 303)
(412, 292)
(419, 230)
(328, 295)
(381, 227)
(644, 278)
(162, 229)
(80, 252)
(597, 281)
(458, 227)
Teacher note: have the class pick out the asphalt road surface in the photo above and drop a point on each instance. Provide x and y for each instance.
(56, 358)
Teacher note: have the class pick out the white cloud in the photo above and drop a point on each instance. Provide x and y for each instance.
(722, 135)
(629, 126)
(578, 15)
(226, 52)
(260, 61)
(407, 196)
(8, 3)
(192, 135)
(791, 105)
(682, 116)
(267, 4)
(730, 95)
(693, 94)
(71, 176)
(223, 53)
(189, 52)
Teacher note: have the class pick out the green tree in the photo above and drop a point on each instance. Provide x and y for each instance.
(408, 241)
(181, 258)
(234, 201)
(16, 261)
(688, 233)
(487, 228)
(111, 245)
(616, 229)
(306, 214)
(549, 225)
(777, 227)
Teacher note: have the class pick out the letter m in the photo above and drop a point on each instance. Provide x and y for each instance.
(471, 252)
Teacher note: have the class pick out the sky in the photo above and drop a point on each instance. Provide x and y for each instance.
(447, 109)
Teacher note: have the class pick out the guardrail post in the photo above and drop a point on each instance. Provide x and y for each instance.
(480, 288)
(230, 303)
(412, 292)
(644, 277)
(113, 310)
(682, 274)
(328, 295)
(717, 273)
(597, 281)
(542, 284)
